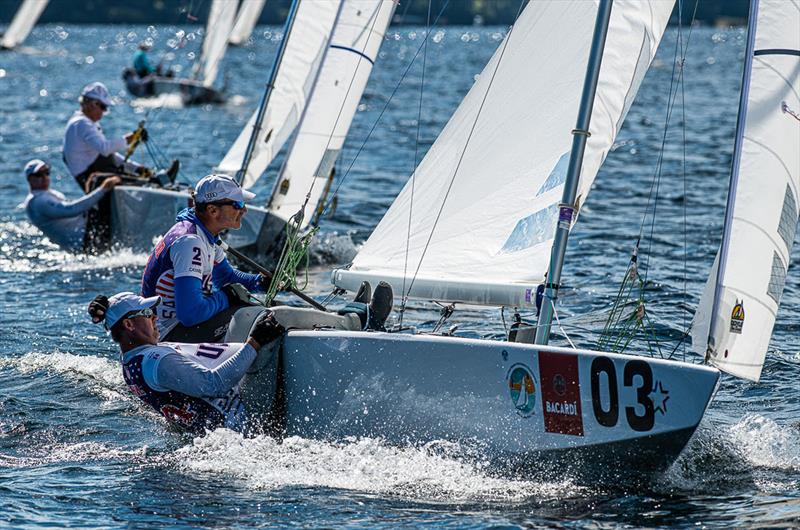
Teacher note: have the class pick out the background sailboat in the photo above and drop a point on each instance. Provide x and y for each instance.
(199, 88)
(319, 101)
(246, 21)
(22, 24)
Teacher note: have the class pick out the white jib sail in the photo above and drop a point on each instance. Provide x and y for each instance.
(342, 78)
(485, 197)
(23, 22)
(246, 20)
(763, 205)
(301, 60)
(215, 41)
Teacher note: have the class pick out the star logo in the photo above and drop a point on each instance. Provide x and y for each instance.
(659, 396)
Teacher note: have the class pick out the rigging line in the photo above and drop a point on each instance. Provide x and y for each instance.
(655, 186)
(380, 115)
(466, 144)
(404, 298)
(361, 57)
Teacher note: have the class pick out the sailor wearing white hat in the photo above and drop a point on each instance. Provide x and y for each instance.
(194, 386)
(187, 265)
(63, 222)
(86, 149)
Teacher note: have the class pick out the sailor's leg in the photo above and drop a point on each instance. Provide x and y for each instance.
(212, 330)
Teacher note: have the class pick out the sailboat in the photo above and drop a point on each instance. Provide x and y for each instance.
(320, 115)
(22, 23)
(246, 21)
(318, 78)
(199, 88)
(494, 201)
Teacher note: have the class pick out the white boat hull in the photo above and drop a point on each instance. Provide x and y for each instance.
(140, 215)
(520, 404)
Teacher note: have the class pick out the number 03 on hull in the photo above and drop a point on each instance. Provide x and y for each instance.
(523, 404)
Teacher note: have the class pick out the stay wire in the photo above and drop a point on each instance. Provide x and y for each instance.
(405, 295)
(466, 145)
(329, 203)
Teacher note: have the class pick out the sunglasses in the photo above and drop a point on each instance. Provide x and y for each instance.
(237, 205)
(41, 173)
(147, 312)
(101, 105)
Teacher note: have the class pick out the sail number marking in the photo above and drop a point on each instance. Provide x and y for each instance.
(609, 416)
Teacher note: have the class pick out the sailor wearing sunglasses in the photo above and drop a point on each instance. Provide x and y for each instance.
(86, 148)
(199, 288)
(194, 386)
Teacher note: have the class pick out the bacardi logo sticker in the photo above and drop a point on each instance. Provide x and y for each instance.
(561, 393)
(737, 317)
(522, 389)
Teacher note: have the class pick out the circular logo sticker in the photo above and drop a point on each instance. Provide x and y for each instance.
(522, 389)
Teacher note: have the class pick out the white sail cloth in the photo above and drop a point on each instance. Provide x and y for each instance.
(762, 211)
(485, 196)
(246, 20)
(302, 58)
(342, 78)
(218, 29)
(23, 22)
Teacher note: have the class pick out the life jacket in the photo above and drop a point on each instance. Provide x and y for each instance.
(194, 415)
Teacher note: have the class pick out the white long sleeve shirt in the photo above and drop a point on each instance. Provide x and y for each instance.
(84, 141)
(62, 221)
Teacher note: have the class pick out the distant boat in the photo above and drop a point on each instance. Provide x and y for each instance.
(246, 21)
(199, 88)
(22, 24)
(494, 201)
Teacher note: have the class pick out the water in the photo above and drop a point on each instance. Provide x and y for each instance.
(77, 450)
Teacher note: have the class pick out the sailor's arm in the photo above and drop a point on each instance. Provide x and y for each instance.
(183, 374)
(95, 139)
(192, 305)
(50, 206)
(225, 274)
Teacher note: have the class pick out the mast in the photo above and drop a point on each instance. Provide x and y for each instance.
(737, 157)
(568, 207)
(248, 154)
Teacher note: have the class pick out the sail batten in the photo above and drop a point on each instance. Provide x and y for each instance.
(739, 305)
(498, 218)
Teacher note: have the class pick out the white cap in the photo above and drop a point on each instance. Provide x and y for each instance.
(213, 188)
(34, 166)
(121, 304)
(97, 91)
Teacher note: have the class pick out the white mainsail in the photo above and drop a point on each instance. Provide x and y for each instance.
(23, 22)
(302, 58)
(215, 41)
(342, 78)
(485, 197)
(246, 20)
(761, 219)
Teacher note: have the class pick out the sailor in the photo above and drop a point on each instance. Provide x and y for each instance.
(194, 386)
(141, 63)
(187, 264)
(63, 222)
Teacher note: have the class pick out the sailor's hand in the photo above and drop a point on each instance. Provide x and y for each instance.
(237, 294)
(263, 282)
(97, 308)
(266, 329)
(109, 183)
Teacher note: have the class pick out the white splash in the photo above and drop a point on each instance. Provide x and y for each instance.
(432, 472)
(170, 101)
(764, 443)
(104, 371)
